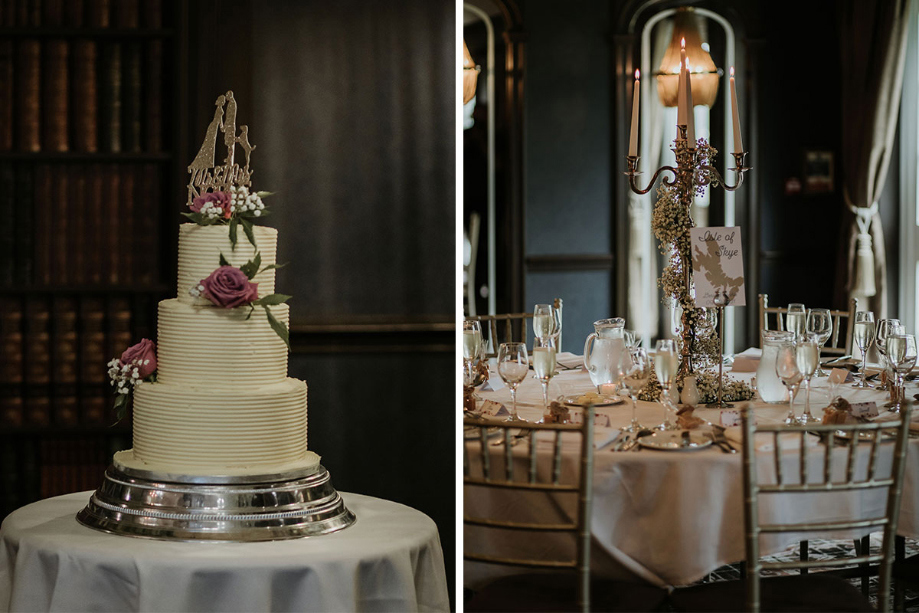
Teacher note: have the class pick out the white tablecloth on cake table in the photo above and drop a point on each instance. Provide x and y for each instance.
(669, 518)
(389, 560)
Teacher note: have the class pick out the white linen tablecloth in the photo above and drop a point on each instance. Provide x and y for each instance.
(669, 518)
(389, 560)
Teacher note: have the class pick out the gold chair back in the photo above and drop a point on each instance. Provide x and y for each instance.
(518, 472)
(508, 327)
(859, 439)
(773, 318)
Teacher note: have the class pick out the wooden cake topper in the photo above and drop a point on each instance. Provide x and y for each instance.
(205, 176)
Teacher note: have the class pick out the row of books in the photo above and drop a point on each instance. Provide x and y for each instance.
(33, 470)
(82, 95)
(53, 356)
(128, 14)
(78, 225)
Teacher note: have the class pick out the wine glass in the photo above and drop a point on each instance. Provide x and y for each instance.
(544, 321)
(513, 365)
(807, 356)
(666, 363)
(901, 351)
(796, 319)
(864, 332)
(885, 328)
(544, 364)
(472, 343)
(786, 367)
(820, 324)
(635, 371)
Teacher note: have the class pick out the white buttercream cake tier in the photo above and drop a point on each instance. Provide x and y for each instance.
(199, 255)
(201, 344)
(207, 429)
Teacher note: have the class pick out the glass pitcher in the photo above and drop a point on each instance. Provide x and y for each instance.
(768, 385)
(608, 328)
(601, 359)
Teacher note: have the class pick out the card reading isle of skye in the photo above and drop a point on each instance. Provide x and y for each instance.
(717, 266)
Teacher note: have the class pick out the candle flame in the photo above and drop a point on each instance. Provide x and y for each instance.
(732, 72)
(683, 43)
(637, 74)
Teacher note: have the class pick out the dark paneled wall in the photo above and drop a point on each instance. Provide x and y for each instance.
(351, 107)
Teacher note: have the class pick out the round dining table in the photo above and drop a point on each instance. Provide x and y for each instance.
(390, 559)
(671, 517)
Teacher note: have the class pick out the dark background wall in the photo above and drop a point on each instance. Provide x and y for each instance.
(576, 132)
(351, 107)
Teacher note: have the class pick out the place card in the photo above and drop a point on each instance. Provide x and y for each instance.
(600, 419)
(864, 409)
(730, 418)
(717, 266)
(840, 376)
(493, 409)
(494, 383)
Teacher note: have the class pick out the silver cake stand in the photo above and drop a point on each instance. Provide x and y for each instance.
(266, 507)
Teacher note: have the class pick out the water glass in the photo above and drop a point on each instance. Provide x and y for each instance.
(864, 333)
(885, 328)
(901, 351)
(796, 319)
(807, 356)
(635, 372)
(820, 324)
(786, 368)
(666, 364)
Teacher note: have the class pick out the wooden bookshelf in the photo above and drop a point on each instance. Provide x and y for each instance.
(92, 127)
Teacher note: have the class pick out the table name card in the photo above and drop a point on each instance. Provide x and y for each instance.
(864, 409)
(839, 376)
(493, 384)
(717, 266)
(493, 409)
(730, 418)
(577, 417)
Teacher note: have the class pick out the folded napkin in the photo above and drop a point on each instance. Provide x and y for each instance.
(494, 383)
(747, 361)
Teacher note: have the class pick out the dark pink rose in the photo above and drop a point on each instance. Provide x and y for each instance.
(220, 200)
(145, 354)
(229, 287)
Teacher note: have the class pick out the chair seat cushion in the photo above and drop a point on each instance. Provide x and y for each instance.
(812, 592)
(558, 592)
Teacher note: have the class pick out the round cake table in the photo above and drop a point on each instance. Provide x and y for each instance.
(389, 560)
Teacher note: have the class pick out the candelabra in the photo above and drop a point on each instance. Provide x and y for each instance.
(688, 173)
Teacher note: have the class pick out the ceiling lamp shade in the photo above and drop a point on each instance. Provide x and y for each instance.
(704, 75)
(470, 75)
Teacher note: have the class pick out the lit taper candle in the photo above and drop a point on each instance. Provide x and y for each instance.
(738, 141)
(633, 135)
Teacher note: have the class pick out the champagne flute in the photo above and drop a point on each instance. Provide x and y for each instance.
(513, 365)
(885, 328)
(786, 367)
(544, 321)
(544, 365)
(796, 319)
(820, 324)
(864, 332)
(901, 350)
(807, 356)
(666, 363)
(472, 343)
(635, 374)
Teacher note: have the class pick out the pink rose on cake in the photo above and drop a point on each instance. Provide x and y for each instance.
(142, 355)
(229, 287)
(213, 205)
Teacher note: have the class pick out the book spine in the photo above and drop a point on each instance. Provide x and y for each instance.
(100, 13)
(128, 209)
(64, 353)
(126, 14)
(27, 79)
(146, 224)
(6, 95)
(55, 96)
(111, 97)
(37, 363)
(74, 13)
(122, 338)
(43, 220)
(131, 121)
(12, 357)
(52, 13)
(7, 230)
(153, 14)
(23, 216)
(85, 99)
(111, 199)
(153, 96)
(58, 218)
(94, 225)
(76, 235)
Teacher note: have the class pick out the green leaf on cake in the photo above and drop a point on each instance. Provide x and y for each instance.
(264, 194)
(274, 266)
(122, 403)
(234, 223)
(250, 268)
(247, 228)
(201, 220)
(279, 328)
(272, 299)
(224, 261)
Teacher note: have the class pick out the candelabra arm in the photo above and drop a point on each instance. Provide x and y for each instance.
(740, 170)
(632, 173)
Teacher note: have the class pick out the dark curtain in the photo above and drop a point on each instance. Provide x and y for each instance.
(873, 37)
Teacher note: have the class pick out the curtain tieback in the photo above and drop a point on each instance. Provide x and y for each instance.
(864, 283)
